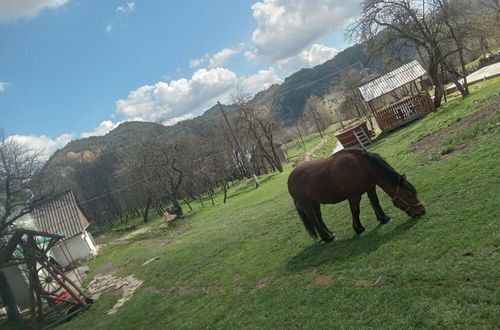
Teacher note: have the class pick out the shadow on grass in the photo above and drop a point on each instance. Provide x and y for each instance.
(338, 251)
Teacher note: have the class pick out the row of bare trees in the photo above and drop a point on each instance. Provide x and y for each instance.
(171, 167)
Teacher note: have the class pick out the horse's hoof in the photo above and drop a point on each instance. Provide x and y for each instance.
(329, 239)
(385, 220)
(359, 230)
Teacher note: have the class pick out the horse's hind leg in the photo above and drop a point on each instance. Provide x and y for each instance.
(356, 224)
(381, 216)
(323, 232)
(317, 209)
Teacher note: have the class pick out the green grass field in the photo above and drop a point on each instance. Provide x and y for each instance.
(250, 264)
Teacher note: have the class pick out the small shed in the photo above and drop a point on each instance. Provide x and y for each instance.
(398, 97)
(61, 215)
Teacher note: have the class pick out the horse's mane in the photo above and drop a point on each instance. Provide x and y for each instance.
(384, 166)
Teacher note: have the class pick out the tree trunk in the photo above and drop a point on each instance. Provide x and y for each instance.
(438, 85)
(8, 299)
(146, 211)
(300, 135)
(317, 124)
(177, 208)
(224, 187)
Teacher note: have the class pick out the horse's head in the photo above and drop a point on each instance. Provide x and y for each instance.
(406, 199)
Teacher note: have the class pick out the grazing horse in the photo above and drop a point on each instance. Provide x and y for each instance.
(348, 174)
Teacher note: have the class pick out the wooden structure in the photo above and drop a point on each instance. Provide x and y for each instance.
(407, 79)
(53, 296)
(356, 135)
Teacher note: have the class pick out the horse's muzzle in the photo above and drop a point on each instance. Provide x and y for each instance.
(418, 214)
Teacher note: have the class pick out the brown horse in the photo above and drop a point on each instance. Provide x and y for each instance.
(348, 174)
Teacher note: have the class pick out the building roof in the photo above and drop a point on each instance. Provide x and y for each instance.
(61, 215)
(392, 80)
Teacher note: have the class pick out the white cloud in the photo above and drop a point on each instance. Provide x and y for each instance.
(109, 28)
(286, 27)
(197, 61)
(103, 128)
(2, 86)
(164, 101)
(260, 81)
(175, 120)
(13, 9)
(127, 8)
(317, 54)
(217, 59)
(251, 55)
(220, 57)
(43, 144)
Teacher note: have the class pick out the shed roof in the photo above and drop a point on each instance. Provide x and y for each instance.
(391, 80)
(61, 215)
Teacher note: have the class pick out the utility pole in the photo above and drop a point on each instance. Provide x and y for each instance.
(240, 149)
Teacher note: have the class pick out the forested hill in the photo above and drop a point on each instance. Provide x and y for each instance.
(285, 100)
(289, 98)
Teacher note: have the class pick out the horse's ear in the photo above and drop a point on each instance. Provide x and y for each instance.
(402, 180)
(404, 176)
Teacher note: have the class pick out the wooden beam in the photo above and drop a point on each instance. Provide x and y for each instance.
(9, 248)
(38, 233)
(372, 107)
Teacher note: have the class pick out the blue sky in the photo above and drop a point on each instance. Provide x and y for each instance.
(71, 69)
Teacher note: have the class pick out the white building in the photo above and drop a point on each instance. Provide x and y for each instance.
(61, 215)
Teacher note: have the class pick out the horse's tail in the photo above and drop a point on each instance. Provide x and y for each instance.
(309, 226)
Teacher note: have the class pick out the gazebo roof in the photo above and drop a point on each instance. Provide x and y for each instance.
(391, 80)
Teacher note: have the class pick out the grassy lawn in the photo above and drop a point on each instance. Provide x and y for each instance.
(250, 264)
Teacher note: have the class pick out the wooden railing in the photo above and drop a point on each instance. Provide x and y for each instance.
(404, 111)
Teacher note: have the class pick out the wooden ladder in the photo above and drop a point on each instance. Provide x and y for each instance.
(362, 137)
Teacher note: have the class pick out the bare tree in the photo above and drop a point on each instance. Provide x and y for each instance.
(313, 103)
(353, 101)
(20, 187)
(386, 22)
(260, 127)
(20, 191)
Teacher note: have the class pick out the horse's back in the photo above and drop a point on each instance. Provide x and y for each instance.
(329, 180)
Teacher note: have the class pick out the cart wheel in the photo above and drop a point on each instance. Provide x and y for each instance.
(47, 282)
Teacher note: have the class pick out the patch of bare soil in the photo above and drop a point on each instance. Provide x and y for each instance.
(308, 154)
(265, 281)
(322, 280)
(108, 268)
(170, 238)
(435, 140)
(183, 290)
(126, 285)
(262, 283)
(130, 236)
(363, 283)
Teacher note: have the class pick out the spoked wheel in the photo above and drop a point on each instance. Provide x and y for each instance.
(48, 283)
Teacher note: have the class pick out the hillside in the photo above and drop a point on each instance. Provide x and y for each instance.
(250, 264)
(286, 102)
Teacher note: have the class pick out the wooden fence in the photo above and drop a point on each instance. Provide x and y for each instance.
(404, 111)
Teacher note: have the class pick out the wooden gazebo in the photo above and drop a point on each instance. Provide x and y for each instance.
(398, 97)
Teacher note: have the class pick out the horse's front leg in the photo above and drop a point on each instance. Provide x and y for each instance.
(354, 204)
(381, 216)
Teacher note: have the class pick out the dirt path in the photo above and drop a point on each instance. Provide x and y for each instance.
(308, 154)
